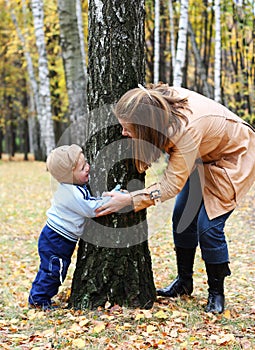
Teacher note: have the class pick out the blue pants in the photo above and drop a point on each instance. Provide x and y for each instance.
(55, 254)
(191, 225)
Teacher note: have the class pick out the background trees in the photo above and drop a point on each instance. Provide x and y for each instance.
(232, 61)
(43, 91)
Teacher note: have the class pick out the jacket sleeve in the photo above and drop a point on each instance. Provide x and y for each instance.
(183, 151)
(82, 203)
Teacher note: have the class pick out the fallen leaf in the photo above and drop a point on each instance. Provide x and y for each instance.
(78, 343)
(99, 327)
(161, 314)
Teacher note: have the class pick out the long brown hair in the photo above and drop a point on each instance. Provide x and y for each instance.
(154, 115)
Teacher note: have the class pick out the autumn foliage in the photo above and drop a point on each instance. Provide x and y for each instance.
(170, 324)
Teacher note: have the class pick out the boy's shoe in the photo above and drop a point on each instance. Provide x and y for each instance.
(43, 307)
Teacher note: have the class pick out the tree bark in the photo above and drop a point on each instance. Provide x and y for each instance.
(73, 61)
(114, 263)
(217, 54)
(156, 41)
(181, 44)
(45, 117)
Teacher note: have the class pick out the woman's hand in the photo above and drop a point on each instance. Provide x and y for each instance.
(119, 200)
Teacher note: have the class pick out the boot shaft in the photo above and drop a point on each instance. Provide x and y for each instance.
(185, 260)
(216, 274)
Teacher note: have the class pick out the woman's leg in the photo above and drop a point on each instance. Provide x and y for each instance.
(215, 254)
(185, 214)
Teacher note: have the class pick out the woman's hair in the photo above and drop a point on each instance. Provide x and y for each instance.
(154, 115)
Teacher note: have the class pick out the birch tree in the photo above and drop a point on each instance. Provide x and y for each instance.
(217, 55)
(171, 26)
(81, 36)
(45, 117)
(156, 41)
(73, 57)
(113, 263)
(181, 43)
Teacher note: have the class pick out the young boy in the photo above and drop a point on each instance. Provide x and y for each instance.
(71, 204)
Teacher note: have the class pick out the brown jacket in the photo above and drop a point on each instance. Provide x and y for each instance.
(218, 143)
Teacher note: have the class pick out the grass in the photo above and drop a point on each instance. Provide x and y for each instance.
(170, 324)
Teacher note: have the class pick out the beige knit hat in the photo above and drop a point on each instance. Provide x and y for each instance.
(61, 162)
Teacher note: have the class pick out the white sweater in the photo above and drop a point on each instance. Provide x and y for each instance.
(71, 205)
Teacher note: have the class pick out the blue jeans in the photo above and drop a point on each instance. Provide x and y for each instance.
(191, 225)
(55, 254)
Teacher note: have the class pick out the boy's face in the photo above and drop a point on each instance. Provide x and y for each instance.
(81, 171)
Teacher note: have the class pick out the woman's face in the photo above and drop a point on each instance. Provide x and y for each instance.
(127, 129)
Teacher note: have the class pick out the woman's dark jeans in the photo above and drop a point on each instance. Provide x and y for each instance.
(191, 225)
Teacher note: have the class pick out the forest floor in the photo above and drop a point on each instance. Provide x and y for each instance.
(171, 323)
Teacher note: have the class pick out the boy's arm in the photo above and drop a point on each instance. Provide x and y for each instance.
(86, 205)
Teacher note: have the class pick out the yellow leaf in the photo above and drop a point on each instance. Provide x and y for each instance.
(139, 317)
(79, 343)
(35, 314)
(83, 323)
(126, 326)
(150, 328)
(161, 314)
(99, 327)
(75, 328)
(175, 314)
(192, 338)
(227, 314)
(227, 338)
(49, 332)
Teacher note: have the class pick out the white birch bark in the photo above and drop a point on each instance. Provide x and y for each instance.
(217, 54)
(156, 41)
(45, 120)
(81, 34)
(172, 41)
(181, 44)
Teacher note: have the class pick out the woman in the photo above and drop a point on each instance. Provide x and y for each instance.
(211, 167)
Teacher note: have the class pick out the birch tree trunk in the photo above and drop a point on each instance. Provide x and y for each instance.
(172, 41)
(113, 263)
(181, 44)
(156, 41)
(45, 120)
(73, 61)
(217, 55)
(81, 36)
